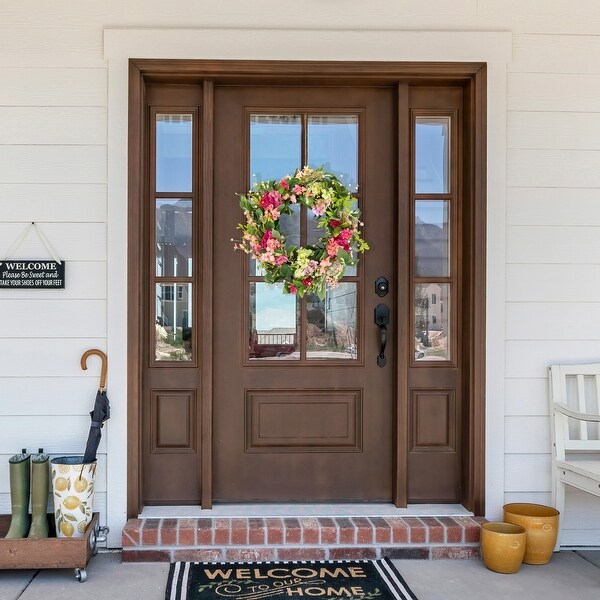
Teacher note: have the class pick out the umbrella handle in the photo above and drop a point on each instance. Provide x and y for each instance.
(101, 354)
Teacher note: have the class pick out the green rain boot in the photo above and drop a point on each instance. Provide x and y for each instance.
(40, 479)
(19, 495)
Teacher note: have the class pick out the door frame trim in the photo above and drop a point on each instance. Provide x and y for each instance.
(471, 75)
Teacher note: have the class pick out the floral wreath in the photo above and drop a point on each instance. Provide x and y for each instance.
(310, 268)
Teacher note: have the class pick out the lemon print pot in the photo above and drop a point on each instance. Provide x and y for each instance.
(73, 493)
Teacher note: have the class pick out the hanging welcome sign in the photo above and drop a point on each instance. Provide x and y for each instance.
(32, 273)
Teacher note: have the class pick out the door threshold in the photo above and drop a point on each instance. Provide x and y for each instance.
(304, 510)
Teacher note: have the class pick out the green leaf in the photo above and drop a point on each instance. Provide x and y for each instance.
(70, 517)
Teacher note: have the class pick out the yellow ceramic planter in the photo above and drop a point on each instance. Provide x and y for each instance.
(541, 524)
(502, 546)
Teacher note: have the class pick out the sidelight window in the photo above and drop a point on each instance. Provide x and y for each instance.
(434, 235)
(174, 199)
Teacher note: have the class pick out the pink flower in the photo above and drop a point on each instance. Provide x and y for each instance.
(283, 183)
(332, 247)
(297, 190)
(342, 239)
(307, 282)
(334, 223)
(270, 200)
(268, 235)
(293, 289)
(280, 260)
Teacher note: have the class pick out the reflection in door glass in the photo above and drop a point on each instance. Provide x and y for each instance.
(173, 326)
(333, 143)
(432, 316)
(173, 153)
(432, 159)
(431, 238)
(331, 324)
(174, 237)
(275, 146)
(273, 323)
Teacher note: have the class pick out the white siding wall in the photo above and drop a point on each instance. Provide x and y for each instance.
(53, 169)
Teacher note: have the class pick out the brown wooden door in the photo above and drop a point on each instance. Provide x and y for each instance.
(302, 411)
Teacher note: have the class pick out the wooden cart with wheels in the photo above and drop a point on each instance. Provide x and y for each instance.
(51, 552)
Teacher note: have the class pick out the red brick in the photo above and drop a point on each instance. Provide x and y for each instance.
(187, 532)
(408, 552)
(364, 530)
(250, 554)
(132, 532)
(256, 531)
(222, 529)
(472, 528)
(301, 554)
(310, 530)
(383, 531)
(204, 532)
(455, 552)
(353, 553)
(435, 531)
(146, 556)
(293, 531)
(454, 532)
(400, 531)
(329, 532)
(168, 532)
(199, 554)
(274, 531)
(347, 532)
(150, 532)
(418, 533)
(239, 532)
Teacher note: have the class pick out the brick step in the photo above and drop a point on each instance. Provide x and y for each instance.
(303, 538)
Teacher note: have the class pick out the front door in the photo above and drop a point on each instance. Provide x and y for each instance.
(239, 393)
(302, 411)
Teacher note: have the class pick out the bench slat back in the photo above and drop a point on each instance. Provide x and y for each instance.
(577, 387)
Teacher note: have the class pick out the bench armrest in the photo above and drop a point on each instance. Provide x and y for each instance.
(575, 414)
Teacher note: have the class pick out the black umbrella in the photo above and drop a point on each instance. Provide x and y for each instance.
(101, 411)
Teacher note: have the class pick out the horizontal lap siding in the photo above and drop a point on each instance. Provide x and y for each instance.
(53, 170)
(53, 135)
(553, 246)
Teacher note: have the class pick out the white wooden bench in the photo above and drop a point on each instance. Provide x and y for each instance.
(575, 419)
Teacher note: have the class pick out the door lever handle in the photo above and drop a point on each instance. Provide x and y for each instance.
(382, 319)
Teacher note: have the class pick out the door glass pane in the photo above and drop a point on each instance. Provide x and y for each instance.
(432, 318)
(174, 237)
(173, 153)
(173, 322)
(273, 323)
(331, 324)
(275, 146)
(432, 159)
(431, 238)
(333, 143)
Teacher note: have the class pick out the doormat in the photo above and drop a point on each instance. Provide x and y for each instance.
(346, 580)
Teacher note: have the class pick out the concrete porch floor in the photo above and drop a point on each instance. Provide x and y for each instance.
(570, 574)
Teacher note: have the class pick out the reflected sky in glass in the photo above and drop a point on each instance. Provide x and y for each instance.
(432, 166)
(174, 153)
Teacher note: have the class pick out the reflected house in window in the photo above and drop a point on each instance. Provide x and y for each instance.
(431, 321)
(174, 259)
(331, 331)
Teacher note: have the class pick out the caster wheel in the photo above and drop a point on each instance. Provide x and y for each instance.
(81, 575)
